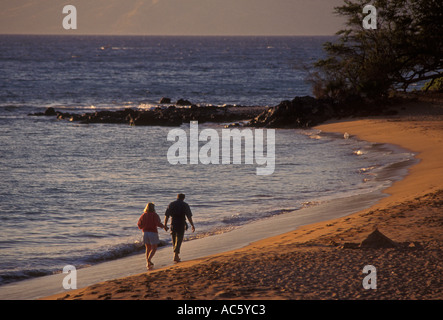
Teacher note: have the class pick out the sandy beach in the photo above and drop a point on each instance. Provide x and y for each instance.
(324, 260)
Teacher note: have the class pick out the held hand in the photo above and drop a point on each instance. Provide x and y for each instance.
(193, 228)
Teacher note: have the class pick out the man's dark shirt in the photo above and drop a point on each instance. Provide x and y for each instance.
(178, 210)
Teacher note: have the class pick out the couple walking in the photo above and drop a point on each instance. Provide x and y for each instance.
(149, 221)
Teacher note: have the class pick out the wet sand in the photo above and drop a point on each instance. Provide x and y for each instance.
(323, 260)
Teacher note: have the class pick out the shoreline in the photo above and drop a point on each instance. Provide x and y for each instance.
(301, 263)
(241, 237)
(312, 240)
(194, 250)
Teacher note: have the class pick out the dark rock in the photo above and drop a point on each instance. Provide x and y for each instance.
(377, 240)
(50, 112)
(301, 112)
(165, 100)
(182, 102)
(234, 125)
(170, 116)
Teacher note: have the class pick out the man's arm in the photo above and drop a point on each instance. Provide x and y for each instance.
(192, 223)
(167, 214)
(189, 216)
(166, 223)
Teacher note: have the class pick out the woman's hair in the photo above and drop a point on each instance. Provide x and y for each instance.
(150, 207)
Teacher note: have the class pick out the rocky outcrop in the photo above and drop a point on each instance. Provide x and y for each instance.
(165, 100)
(301, 112)
(161, 116)
(183, 102)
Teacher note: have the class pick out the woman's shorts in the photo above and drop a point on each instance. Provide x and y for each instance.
(150, 238)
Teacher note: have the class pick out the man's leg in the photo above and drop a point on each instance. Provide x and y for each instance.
(177, 239)
(174, 240)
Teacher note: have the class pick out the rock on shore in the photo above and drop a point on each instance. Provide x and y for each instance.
(301, 112)
(161, 116)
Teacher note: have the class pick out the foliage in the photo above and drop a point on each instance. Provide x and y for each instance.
(406, 47)
(434, 85)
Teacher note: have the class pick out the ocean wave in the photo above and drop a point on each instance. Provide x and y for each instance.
(212, 232)
(13, 276)
(10, 107)
(359, 152)
(113, 252)
(367, 170)
(235, 219)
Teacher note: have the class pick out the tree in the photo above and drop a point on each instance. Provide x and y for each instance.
(405, 48)
(434, 85)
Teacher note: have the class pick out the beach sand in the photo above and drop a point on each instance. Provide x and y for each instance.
(323, 260)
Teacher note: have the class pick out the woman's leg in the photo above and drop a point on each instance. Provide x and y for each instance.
(148, 250)
(152, 253)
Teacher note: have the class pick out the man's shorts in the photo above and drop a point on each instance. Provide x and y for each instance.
(150, 238)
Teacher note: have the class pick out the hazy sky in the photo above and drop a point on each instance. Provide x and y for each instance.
(173, 17)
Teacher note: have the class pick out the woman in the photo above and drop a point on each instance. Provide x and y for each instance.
(149, 221)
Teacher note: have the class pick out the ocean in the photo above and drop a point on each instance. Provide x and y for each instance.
(72, 193)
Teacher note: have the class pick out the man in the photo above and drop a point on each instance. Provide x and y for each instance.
(178, 210)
